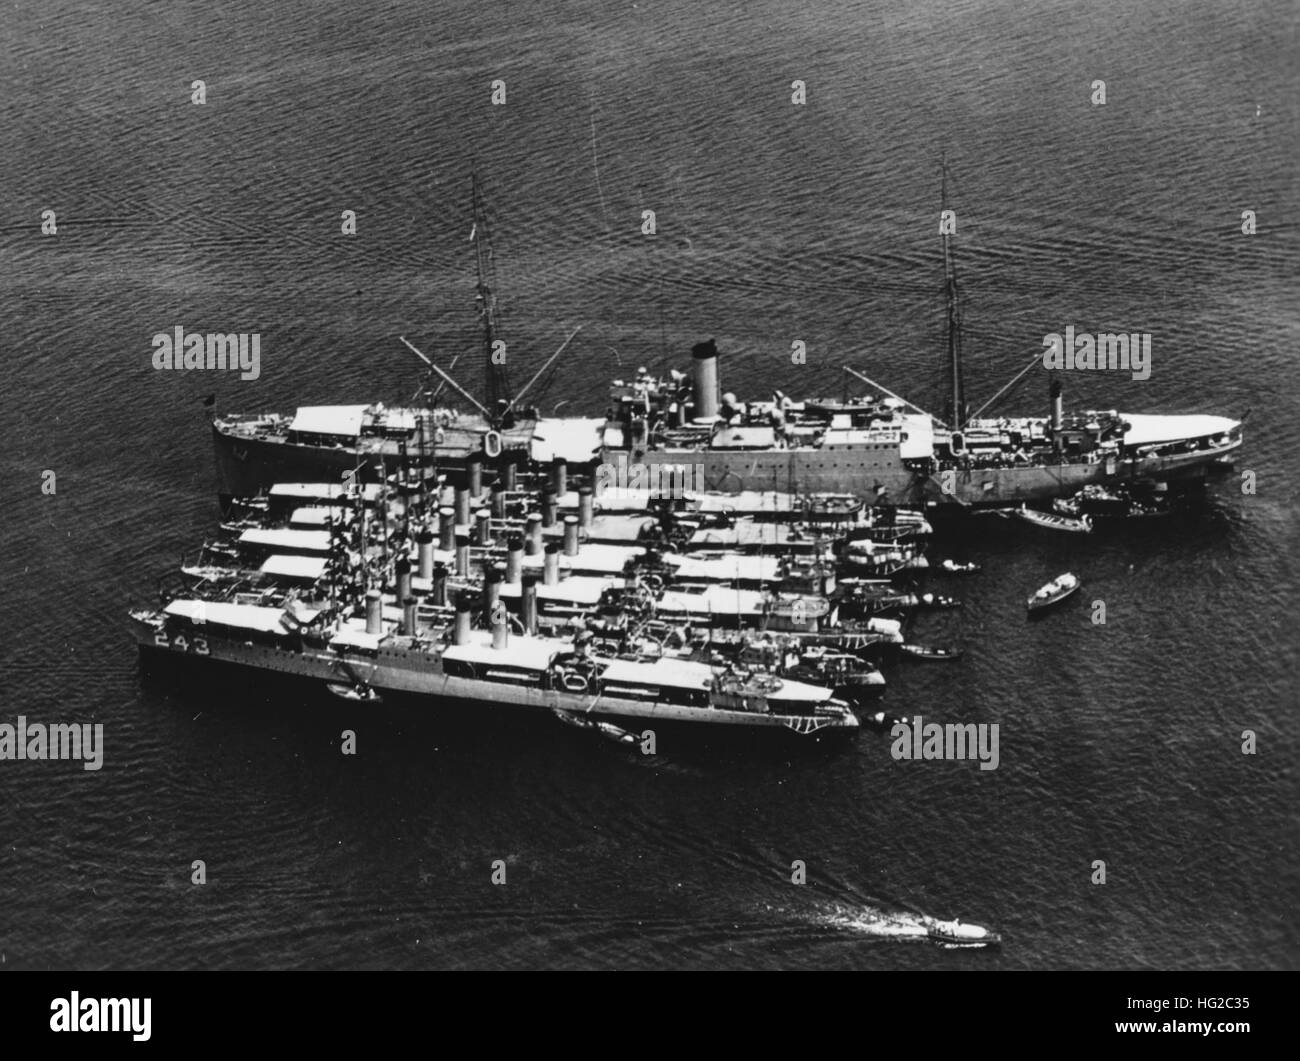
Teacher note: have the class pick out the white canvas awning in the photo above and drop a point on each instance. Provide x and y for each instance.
(718, 569)
(670, 673)
(313, 516)
(576, 440)
(918, 437)
(529, 653)
(307, 568)
(306, 541)
(353, 635)
(319, 492)
(343, 420)
(1148, 430)
(239, 616)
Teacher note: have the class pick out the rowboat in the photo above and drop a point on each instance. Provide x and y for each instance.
(1053, 520)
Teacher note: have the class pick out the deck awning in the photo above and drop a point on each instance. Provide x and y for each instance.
(355, 636)
(749, 568)
(305, 541)
(918, 437)
(307, 568)
(329, 420)
(319, 492)
(1148, 430)
(670, 673)
(238, 616)
(577, 440)
(527, 653)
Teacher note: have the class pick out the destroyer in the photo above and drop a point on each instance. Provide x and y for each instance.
(442, 660)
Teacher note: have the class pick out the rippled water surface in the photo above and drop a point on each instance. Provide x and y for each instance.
(776, 222)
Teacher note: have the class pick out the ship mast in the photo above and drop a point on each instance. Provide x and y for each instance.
(957, 415)
(496, 381)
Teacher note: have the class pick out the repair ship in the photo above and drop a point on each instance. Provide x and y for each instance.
(879, 447)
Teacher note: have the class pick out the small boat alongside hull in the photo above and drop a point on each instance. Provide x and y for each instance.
(360, 694)
(1054, 520)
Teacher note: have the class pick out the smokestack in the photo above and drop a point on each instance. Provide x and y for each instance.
(491, 590)
(704, 380)
(514, 557)
(570, 535)
(408, 616)
(585, 507)
(446, 529)
(403, 571)
(508, 475)
(462, 554)
(498, 503)
(560, 476)
(549, 507)
(533, 533)
(500, 629)
(440, 584)
(474, 472)
(424, 550)
(374, 612)
(483, 527)
(551, 564)
(528, 602)
(460, 634)
(1058, 414)
(462, 505)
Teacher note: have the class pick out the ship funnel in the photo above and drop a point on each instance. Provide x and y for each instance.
(498, 503)
(462, 505)
(408, 616)
(570, 535)
(446, 529)
(424, 546)
(533, 533)
(551, 564)
(704, 380)
(528, 602)
(585, 507)
(462, 554)
(403, 571)
(374, 612)
(514, 557)
(491, 591)
(460, 633)
(1058, 414)
(560, 476)
(483, 527)
(474, 473)
(507, 475)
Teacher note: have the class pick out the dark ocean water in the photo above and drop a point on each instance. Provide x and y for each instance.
(1119, 742)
